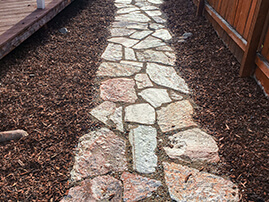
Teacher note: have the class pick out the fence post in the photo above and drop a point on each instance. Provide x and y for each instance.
(40, 4)
(248, 60)
(200, 7)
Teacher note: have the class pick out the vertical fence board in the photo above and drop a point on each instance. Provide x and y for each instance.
(250, 18)
(243, 16)
(265, 49)
(237, 14)
(232, 13)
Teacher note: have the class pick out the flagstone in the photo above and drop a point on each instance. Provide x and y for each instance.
(124, 41)
(135, 17)
(140, 113)
(148, 8)
(123, 1)
(127, 10)
(165, 48)
(156, 97)
(134, 63)
(155, 56)
(162, 34)
(101, 188)
(159, 19)
(113, 69)
(118, 90)
(142, 4)
(155, 26)
(193, 145)
(174, 116)
(98, 153)
(175, 96)
(121, 32)
(140, 34)
(108, 113)
(166, 76)
(129, 54)
(154, 13)
(188, 184)
(130, 25)
(149, 42)
(142, 81)
(137, 187)
(113, 52)
(144, 142)
(155, 1)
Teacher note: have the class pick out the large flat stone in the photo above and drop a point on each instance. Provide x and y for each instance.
(129, 54)
(123, 1)
(141, 34)
(98, 153)
(174, 116)
(155, 56)
(156, 97)
(135, 63)
(159, 19)
(156, 1)
(156, 26)
(162, 34)
(154, 12)
(121, 32)
(188, 184)
(142, 81)
(113, 69)
(140, 113)
(137, 187)
(193, 145)
(101, 188)
(166, 76)
(113, 52)
(127, 10)
(148, 8)
(149, 42)
(118, 90)
(124, 41)
(130, 25)
(143, 141)
(132, 17)
(108, 113)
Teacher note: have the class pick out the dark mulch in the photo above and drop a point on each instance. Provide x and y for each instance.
(233, 109)
(46, 88)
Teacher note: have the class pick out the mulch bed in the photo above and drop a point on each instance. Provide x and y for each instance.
(46, 88)
(234, 110)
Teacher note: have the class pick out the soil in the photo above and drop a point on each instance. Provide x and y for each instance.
(47, 88)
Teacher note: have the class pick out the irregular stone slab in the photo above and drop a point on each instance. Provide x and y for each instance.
(159, 19)
(123, 1)
(129, 54)
(116, 69)
(127, 10)
(113, 52)
(119, 5)
(165, 48)
(140, 34)
(140, 113)
(188, 184)
(108, 113)
(124, 41)
(142, 4)
(175, 116)
(135, 17)
(134, 63)
(154, 13)
(130, 25)
(137, 187)
(162, 34)
(156, 97)
(144, 142)
(193, 145)
(101, 188)
(142, 81)
(155, 56)
(118, 90)
(175, 96)
(148, 8)
(121, 32)
(155, 1)
(155, 26)
(149, 42)
(98, 153)
(166, 76)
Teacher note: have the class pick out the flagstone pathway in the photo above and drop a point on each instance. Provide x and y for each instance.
(143, 97)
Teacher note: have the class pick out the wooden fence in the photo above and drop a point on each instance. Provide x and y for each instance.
(243, 26)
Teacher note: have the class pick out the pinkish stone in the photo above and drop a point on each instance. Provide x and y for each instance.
(137, 187)
(102, 188)
(118, 90)
(98, 153)
(188, 184)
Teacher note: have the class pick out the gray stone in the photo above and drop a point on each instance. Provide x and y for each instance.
(155, 56)
(174, 116)
(132, 17)
(108, 113)
(142, 81)
(165, 48)
(140, 34)
(63, 30)
(143, 141)
(130, 25)
(156, 97)
(193, 145)
(156, 26)
(124, 41)
(149, 42)
(101, 188)
(159, 19)
(113, 52)
(166, 76)
(148, 8)
(162, 34)
(127, 10)
(137, 188)
(123, 1)
(129, 54)
(187, 35)
(140, 113)
(121, 32)
(98, 153)
(117, 69)
(175, 96)
(155, 1)
(188, 184)
(154, 13)
(134, 63)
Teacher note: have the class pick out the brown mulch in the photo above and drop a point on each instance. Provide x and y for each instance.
(234, 110)
(46, 88)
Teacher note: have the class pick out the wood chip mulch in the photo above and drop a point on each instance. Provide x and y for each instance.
(46, 89)
(234, 110)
